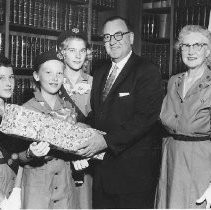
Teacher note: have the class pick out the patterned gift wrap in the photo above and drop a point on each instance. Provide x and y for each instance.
(36, 126)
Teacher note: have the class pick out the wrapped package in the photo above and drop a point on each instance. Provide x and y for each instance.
(35, 126)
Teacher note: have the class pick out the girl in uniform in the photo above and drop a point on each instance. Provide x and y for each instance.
(47, 182)
(10, 146)
(76, 89)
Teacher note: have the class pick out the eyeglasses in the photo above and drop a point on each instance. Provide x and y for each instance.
(118, 36)
(195, 47)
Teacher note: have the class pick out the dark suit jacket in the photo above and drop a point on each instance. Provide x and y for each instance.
(131, 163)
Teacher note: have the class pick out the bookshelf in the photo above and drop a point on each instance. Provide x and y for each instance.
(160, 22)
(156, 34)
(30, 27)
(196, 12)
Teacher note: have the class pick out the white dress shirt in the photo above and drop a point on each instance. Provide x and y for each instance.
(120, 64)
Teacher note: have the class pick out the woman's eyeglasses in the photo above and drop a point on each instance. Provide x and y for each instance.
(195, 47)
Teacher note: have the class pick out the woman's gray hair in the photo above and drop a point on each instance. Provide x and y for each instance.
(195, 29)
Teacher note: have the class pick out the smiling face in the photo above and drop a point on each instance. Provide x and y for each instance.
(7, 82)
(50, 76)
(195, 58)
(75, 53)
(118, 50)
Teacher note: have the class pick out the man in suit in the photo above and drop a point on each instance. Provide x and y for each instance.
(127, 110)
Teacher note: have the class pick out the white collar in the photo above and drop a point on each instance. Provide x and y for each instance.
(121, 64)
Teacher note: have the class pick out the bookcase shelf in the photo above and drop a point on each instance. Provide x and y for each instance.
(79, 2)
(30, 27)
(97, 38)
(103, 8)
(34, 30)
(23, 71)
(162, 10)
(160, 26)
(156, 35)
(156, 40)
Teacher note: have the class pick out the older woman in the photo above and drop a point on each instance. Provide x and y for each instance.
(186, 115)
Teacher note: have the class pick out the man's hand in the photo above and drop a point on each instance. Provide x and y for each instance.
(39, 149)
(92, 146)
(206, 197)
(80, 164)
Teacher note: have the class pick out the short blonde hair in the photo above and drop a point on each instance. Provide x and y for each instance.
(195, 29)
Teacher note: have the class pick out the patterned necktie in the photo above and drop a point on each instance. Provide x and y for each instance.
(109, 82)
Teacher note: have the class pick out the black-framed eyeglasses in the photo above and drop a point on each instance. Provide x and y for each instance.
(195, 46)
(118, 36)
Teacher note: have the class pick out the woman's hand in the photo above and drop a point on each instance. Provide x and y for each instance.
(39, 149)
(206, 197)
(80, 164)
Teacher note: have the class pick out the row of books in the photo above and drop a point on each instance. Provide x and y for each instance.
(2, 43)
(99, 56)
(94, 28)
(149, 4)
(156, 26)
(24, 49)
(179, 66)
(74, 17)
(98, 52)
(196, 15)
(159, 55)
(188, 3)
(49, 14)
(23, 91)
(2, 10)
(164, 86)
(105, 3)
(24, 85)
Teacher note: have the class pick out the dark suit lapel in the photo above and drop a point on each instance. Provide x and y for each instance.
(123, 74)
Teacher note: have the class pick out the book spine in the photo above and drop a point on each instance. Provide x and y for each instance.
(20, 11)
(23, 52)
(70, 17)
(40, 14)
(45, 14)
(2, 11)
(57, 15)
(53, 15)
(30, 13)
(11, 49)
(14, 13)
(36, 13)
(94, 22)
(28, 50)
(164, 25)
(49, 14)
(32, 51)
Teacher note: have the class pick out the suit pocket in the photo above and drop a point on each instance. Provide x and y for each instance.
(125, 106)
(125, 99)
